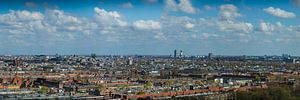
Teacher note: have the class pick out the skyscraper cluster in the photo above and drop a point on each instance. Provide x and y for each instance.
(176, 54)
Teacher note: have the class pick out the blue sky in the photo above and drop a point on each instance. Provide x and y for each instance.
(150, 27)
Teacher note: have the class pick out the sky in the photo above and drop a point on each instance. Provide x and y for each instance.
(150, 27)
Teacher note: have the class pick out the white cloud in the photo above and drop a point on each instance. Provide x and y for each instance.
(279, 12)
(23, 15)
(209, 35)
(177, 22)
(60, 17)
(232, 26)
(160, 35)
(148, 24)
(266, 27)
(22, 22)
(229, 12)
(109, 18)
(269, 28)
(171, 5)
(55, 26)
(189, 25)
(185, 27)
(184, 6)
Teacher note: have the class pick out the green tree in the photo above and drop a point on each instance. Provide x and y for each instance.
(44, 90)
(169, 82)
(141, 92)
(184, 83)
(257, 78)
(148, 84)
(281, 92)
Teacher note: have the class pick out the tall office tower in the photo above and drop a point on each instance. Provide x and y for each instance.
(181, 53)
(93, 55)
(175, 53)
(209, 56)
(130, 61)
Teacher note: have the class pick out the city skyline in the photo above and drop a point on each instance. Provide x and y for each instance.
(150, 27)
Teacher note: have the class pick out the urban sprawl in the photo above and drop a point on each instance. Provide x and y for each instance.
(131, 77)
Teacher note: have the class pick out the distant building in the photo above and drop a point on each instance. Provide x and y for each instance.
(209, 56)
(181, 53)
(129, 61)
(175, 53)
(93, 55)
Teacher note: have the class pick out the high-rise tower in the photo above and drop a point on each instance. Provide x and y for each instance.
(181, 53)
(175, 53)
(209, 56)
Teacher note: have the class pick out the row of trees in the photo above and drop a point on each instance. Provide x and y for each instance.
(279, 92)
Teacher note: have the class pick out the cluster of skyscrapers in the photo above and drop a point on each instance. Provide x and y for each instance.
(176, 54)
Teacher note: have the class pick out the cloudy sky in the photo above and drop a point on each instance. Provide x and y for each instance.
(150, 27)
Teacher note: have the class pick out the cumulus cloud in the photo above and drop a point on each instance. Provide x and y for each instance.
(160, 36)
(148, 24)
(60, 17)
(189, 25)
(229, 12)
(22, 16)
(279, 12)
(21, 22)
(17, 26)
(184, 6)
(209, 35)
(271, 28)
(266, 27)
(109, 18)
(177, 22)
(171, 5)
(218, 29)
(233, 26)
(54, 26)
